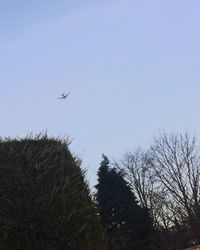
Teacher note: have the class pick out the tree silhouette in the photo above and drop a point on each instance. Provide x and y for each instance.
(44, 201)
(128, 226)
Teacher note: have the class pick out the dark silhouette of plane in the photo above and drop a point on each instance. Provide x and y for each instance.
(64, 96)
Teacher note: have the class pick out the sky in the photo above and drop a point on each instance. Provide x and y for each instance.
(132, 68)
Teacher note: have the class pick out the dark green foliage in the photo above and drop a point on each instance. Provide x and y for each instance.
(44, 200)
(128, 226)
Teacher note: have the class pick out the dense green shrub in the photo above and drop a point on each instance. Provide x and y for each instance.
(44, 200)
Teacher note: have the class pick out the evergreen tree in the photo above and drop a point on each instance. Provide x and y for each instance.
(128, 226)
(45, 202)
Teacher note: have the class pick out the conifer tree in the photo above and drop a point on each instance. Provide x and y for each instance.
(45, 202)
(127, 225)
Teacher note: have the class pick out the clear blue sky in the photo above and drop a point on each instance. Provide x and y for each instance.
(132, 67)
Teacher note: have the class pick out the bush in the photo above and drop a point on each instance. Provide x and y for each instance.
(44, 199)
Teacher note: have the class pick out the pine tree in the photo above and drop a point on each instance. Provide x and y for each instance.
(127, 225)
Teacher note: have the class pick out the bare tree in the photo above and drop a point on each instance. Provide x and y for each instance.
(166, 179)
(139, 172)
(176, 164)
(137, 168)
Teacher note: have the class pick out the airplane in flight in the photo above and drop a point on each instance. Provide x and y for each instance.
(64, 96)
